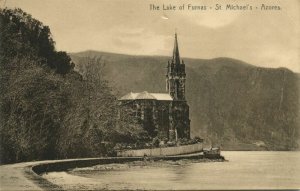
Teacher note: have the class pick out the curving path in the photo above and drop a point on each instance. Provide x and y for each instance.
(17, 177)
(25, 176)
(20, 176)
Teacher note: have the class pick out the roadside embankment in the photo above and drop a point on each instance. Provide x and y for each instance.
(26, 176)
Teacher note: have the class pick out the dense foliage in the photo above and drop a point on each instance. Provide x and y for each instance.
(48, 110)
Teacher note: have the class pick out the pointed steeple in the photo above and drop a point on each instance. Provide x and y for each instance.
(175, 77)
(176, 57)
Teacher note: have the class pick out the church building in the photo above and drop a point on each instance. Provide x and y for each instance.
(164, 115)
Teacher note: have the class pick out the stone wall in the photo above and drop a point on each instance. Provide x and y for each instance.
(167, 151)
(64, 165)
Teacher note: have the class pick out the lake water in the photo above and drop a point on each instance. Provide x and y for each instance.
(243, 170)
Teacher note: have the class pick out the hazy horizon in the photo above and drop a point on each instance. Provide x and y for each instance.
(262, 38)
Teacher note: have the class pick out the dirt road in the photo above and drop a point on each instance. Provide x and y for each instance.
(15, 177)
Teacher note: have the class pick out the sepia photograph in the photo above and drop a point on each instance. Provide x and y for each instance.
(149, 95)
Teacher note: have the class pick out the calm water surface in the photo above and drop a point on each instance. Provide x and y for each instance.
(244, 170)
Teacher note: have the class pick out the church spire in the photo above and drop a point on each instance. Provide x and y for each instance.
(176, 57)
(175, 77)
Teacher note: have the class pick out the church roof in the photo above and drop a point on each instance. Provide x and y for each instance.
(129, 96)
(146, 95)
(162, 96)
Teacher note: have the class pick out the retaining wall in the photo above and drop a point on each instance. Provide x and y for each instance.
(33, 171)
(64, 165)
(167, 151)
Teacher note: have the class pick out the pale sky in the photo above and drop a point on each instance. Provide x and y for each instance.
(262, 38)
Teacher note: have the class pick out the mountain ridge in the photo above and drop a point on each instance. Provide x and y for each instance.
(215, 60)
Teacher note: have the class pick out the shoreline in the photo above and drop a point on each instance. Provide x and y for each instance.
(27, 175)
(20, 176)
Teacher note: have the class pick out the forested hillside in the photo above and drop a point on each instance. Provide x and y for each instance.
(232, 103)
(48, 110)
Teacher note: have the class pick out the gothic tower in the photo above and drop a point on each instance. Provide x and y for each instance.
(175, 77)
(175, 84)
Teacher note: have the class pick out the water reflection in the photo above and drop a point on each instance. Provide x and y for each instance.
(180, 172)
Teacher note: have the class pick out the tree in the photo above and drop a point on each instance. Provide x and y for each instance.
(33, 101)
(47, 109)
(23, 35)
